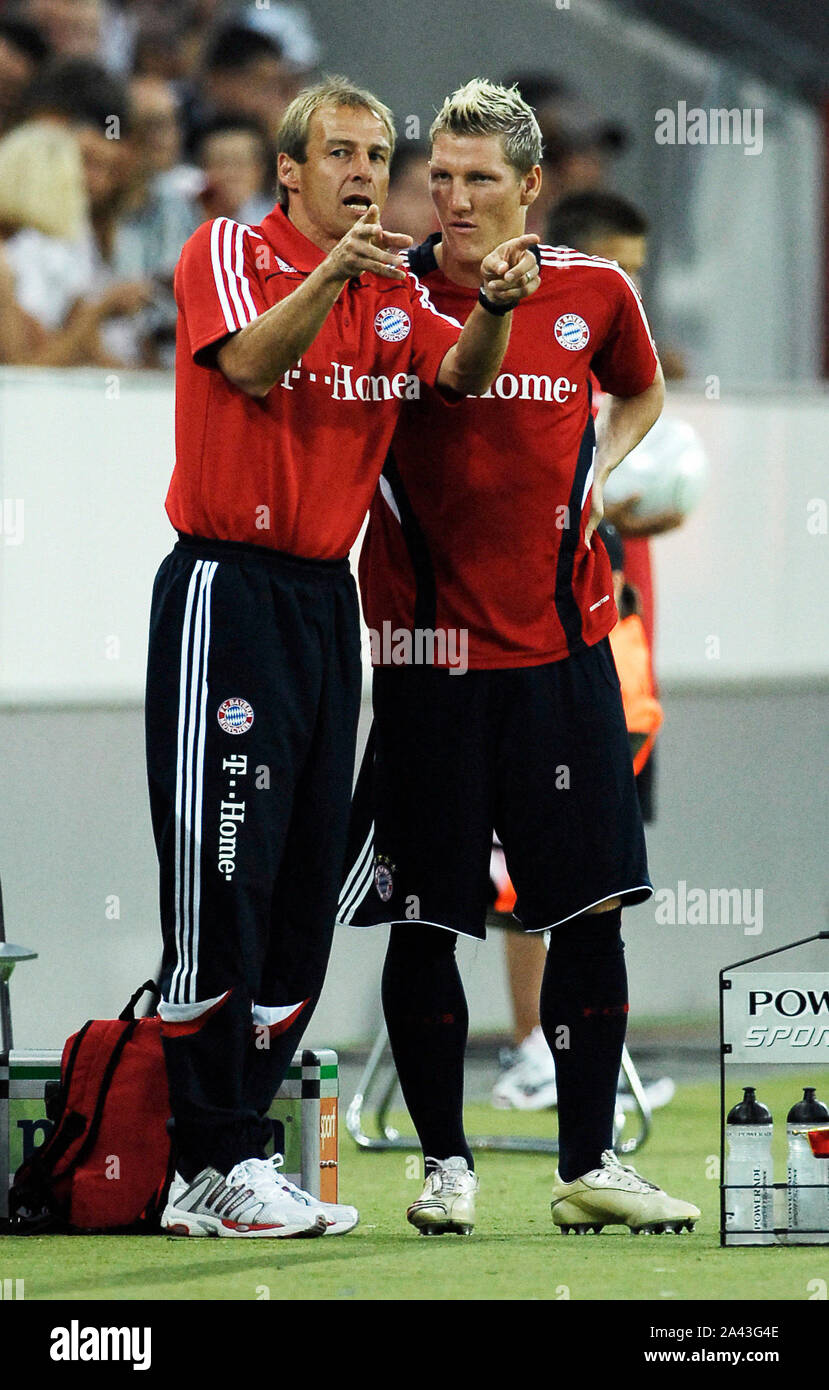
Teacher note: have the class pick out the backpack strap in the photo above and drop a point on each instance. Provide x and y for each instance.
(103, 1092)
(127, 1014)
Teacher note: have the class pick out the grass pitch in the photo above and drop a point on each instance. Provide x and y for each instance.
(515, 1252)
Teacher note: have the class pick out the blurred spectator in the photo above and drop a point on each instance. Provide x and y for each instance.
(156, 124)
(81, 91)
(593, 220)
(409, 207)
(43, 276)
(290, 26)
(80, 96)
(23, 49)
(75, 28)
(166, 46)
(578, 143)
(603, 224)
(235, 158)
(159, 213)
(243, 74)
(169, 41)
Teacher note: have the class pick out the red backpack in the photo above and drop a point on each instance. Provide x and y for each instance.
(108, 1162)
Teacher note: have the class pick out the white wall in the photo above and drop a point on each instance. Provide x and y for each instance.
(89, 455)
(751, 566)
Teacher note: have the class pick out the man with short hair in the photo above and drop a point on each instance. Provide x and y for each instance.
(235, 158)
(244, 74)
(298, 341)
(483, 531)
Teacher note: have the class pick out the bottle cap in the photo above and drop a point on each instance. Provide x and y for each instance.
(749, 1111)
(808, 1109)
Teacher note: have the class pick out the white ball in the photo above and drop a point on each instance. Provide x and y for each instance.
(669, 469)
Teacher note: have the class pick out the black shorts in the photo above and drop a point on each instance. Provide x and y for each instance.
(540, 754)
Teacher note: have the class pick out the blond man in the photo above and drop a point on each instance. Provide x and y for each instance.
(482, 533)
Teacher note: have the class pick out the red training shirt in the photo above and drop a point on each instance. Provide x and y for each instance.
(478, 523)
(296, 470)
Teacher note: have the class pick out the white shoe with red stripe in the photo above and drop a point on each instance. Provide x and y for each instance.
(251, 1201)
(338, 1218)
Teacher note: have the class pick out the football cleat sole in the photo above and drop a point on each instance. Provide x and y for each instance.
(445, 1228)
(654, 1228)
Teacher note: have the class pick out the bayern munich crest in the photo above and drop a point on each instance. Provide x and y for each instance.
(392, 325)
(572, 332)
(383, 879)
(235, 716)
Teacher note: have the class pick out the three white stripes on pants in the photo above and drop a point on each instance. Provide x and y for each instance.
(358, 880)
(192, 715)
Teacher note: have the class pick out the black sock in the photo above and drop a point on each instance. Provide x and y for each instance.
(427, 1018)
(584, 1006)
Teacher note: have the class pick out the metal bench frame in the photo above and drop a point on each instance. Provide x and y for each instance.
(380, 1076)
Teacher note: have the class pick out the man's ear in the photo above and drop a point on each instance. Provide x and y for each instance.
(531, 186)
(286, 169)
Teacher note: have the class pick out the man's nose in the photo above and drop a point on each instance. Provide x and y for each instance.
(459, 196)
(360, 165)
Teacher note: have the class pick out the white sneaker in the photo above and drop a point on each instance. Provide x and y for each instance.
(614, 1195)
(248, 1202)
(529, 1082)
(338, 1218)
(446, 1206)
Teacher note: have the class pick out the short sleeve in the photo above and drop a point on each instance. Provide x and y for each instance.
(434, 333)
(626, 362)
(217, 283)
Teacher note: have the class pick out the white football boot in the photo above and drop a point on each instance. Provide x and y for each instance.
(338, 1218)
(529, 1082)
(614, 1195)
(248, 1202)
(446, 1206)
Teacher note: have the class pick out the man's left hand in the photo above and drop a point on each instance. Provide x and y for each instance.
(631, 526)
(510, 273)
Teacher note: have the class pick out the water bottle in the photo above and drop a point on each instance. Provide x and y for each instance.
(807, 1176)
(748, 1173)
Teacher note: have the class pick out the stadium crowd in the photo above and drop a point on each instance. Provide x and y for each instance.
(124, 124)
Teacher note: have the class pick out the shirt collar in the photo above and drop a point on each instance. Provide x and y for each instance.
(422, 258)
(423, 261)
(289, 242)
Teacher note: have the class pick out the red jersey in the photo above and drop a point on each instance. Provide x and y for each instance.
(478, 523)
(296, 470)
